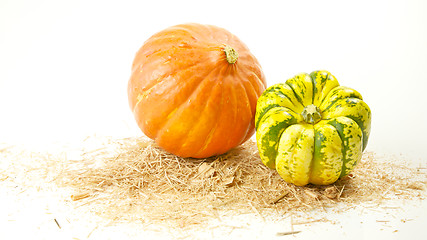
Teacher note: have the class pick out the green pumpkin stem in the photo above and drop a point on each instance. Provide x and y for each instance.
(230, 54)
(311, 114)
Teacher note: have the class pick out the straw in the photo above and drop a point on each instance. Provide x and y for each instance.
(133, 179)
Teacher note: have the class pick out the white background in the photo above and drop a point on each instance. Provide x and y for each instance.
(64, 65)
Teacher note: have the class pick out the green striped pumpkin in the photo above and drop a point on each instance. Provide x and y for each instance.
(311, 129)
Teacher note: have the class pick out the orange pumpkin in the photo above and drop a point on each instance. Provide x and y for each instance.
(194, 90)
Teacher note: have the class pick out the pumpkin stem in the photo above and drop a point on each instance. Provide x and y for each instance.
(311, 114)
(230, 54)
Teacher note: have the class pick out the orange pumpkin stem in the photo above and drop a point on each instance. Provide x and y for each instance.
(230, 54)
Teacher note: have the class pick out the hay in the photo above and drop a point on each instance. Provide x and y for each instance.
(138, 180)
(133, 179)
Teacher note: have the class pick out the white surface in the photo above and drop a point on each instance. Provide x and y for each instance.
(31, 214)
(64, 65)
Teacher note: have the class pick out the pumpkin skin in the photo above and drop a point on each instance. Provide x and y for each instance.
(194, 90)
(311, 129)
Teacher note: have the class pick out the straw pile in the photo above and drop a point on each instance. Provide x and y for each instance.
(133, 179)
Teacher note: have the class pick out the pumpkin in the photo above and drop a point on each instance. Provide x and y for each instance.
(310, 129)
(194, 90)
